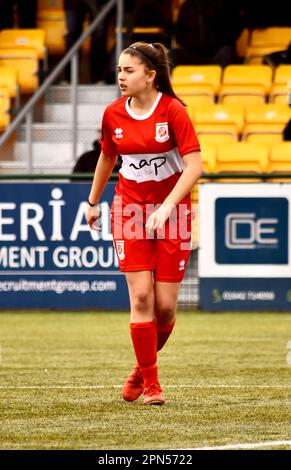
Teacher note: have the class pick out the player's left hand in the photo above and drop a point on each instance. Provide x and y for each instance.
(158, 218)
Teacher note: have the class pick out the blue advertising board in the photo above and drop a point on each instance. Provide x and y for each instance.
(49, 257)
(244, 256)
(251, 230)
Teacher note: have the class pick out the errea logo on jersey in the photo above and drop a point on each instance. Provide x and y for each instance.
(162, 132)
(182, 265)
(118, 133)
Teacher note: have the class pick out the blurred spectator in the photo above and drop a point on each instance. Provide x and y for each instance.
(76, 12)
(150, 13)
(145, 14)
(26, 13)
(287, 131)
(279, 57)
(87, 162)
(206, 31)
(287, 128)
(261, 14)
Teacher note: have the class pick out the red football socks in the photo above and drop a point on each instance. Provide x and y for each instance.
(163, 333)
(144, 339)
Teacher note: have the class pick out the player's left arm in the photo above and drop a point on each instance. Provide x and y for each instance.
(191, 173)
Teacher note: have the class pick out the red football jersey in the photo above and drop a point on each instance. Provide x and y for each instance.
(151, 147)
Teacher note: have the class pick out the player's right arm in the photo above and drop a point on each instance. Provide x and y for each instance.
(102, 174)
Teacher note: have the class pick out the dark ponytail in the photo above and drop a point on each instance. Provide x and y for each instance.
(155, 57)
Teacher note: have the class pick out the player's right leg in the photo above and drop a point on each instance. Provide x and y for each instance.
(144, 338)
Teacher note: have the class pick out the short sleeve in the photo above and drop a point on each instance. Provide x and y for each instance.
(182, 129)
(108, 146)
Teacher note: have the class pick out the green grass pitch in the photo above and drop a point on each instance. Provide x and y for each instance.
(226, 379)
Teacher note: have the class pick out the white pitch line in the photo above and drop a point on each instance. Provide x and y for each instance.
(228, 386)
(250, 445)
(93, 387)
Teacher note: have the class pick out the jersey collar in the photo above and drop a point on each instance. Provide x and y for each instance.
(144, 116)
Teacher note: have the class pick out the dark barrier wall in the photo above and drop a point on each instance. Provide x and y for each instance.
(49, 257)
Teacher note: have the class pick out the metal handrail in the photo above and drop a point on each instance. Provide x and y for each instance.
(72, 55)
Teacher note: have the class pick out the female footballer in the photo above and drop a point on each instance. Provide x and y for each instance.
(151, 211)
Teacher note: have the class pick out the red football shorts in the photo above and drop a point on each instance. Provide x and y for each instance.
(165, 252)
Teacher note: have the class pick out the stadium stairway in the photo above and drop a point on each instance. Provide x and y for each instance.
(52, 130)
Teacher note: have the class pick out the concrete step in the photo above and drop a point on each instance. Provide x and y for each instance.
(52, 139)
(57, 133)
(86, 94)
(8, 167)
(50, 152)
(63, 113)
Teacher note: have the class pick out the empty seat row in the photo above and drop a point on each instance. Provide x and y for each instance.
(245, 158)
(220, 122)
(244, 162)
(4, 108)
(236, 83)
(51, 19)
(23, 53)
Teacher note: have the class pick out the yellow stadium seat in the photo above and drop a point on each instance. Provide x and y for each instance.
(266, 118)
(192, 102)
(4, 120)
(4, 108)
(202, 79)
(190, 89)
(55, 30)
(51, 18)
(264, 138)
(24, 38)
(281, 84)
(197, 100)
(49, 5)
(208, 156)
(271, 36)
(242, 158)
(219, 118)
(216, 138)
(282, 75)
(186, 94)
(246, 80)
(195, 221)
(255, 55)
(280, 158)
(25, 61)
(4, 99)
(280, 98)
(9, 80)
(268, 113)
(194, 195)
(242, 99)
(242, 42)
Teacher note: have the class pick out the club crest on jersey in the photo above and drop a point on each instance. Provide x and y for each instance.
(120, 249)
(162, 132)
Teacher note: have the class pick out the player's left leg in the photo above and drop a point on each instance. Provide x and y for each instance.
(166, 298)
(172, 254)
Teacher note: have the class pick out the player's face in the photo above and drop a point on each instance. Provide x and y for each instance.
(133, 77)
